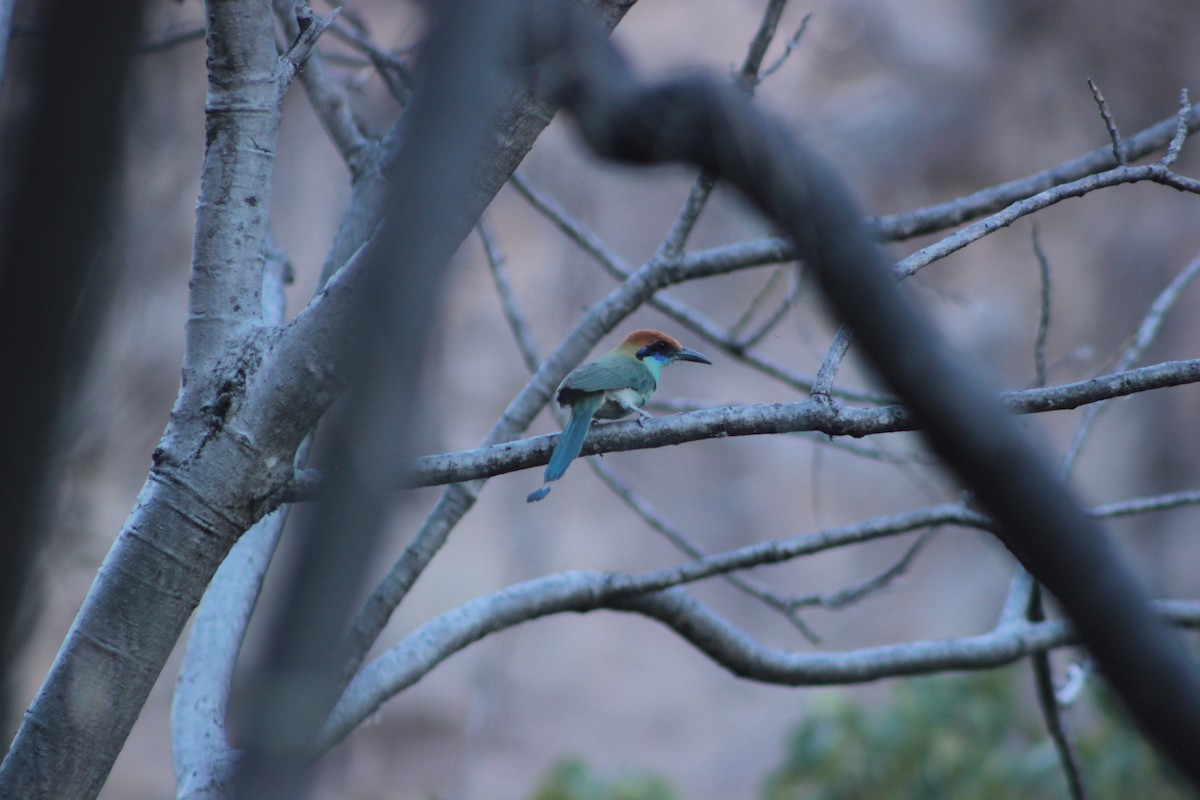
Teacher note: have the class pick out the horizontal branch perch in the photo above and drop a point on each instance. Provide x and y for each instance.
(817, 415)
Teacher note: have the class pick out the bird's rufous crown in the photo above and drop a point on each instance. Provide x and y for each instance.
(640, 338)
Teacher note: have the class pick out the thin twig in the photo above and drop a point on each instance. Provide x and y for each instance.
(1051, 711)
(1142, 505)
(856, 592)
(1109, 124)
(685, 222)
(1181, 129)
(1039, 342)
(508, 301)
(747, 77)
(951, 213)
(734, 256)
(676, 238)
(1144, 336)
(573, 229)
(785, 606)
(776, 316)
(395, 72)
(308, 28)
(756, 302)
(823, 385)
(328, 99)
(1155, 173)
(711, 332)
(1042, 673)
(791, 45)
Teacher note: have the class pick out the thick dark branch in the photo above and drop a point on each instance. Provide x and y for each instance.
(451, 115)
(60, 164)
(519, 124)
(700, 122)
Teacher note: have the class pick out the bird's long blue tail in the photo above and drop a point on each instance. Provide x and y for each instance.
(569, 444)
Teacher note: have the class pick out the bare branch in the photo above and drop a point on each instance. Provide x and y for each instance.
(1051, 711)
(1181, 129)
(747, 77)
(730, 258)
(310, 27)
(1109, 124)
(573, 229)
(752, 420)
(1145, 335)
(791, 45)
(785, 606)
(435, 641)
(849, 595)
(776, 316)
(1002, 219)
(1155, 173)
(987, 201)
(202, 753)
(823, 385)
(438, 639)
(508, 301)
(1039, 342)
(1163, 502)
(327, 98)
(673, 243)
(395, 72)
(756, 302)
(200, 746)
(811, 415)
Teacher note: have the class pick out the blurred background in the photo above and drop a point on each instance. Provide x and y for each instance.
(914, 102)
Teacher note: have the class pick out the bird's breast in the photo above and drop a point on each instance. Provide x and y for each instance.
(617, 403)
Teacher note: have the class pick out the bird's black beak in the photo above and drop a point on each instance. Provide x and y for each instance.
(691, 355)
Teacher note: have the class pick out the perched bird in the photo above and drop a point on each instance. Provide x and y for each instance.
(612, 386)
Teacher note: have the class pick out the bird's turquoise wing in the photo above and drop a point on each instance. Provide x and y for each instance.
(608, 372)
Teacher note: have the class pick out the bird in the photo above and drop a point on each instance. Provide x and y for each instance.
(611, 386)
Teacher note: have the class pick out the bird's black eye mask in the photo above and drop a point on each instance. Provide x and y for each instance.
(659, 348)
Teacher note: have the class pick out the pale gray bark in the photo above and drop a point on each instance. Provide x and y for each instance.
(249, 394)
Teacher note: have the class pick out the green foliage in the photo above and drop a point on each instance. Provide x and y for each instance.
(967, 737)
(964, 737)
(571, 779)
